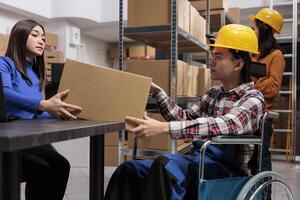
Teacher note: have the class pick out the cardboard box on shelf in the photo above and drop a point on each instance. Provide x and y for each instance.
(113, 52)
(48, 79)
(111, 139)
(234, 13)
(214, 5)
(159, 71)
(51, 40)
(54, 57)
(141, 52)
(215, 82)
(189, 81)
(161, 142)
(2, 52)
(104, 94)
(48, 66)
(48, 73)
(150, 52)
(3, 42)
(137, 51)
(111, 156)
(203, 81)
(197, 25)
(141, 13)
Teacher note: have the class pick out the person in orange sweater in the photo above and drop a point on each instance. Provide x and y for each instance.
(266, 23)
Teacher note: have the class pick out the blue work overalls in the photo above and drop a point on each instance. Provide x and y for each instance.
(171, 176)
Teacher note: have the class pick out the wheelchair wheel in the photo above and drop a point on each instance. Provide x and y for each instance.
(266, 185)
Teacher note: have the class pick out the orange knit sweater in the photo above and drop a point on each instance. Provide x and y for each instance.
(270, 85)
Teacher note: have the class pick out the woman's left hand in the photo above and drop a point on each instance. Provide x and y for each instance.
(148, 127)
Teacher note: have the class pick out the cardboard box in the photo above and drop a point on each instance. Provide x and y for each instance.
(214, 5)
(161, 142)
(51, 40)
(197, 25)
(104, 94)
(234, 13)
(111, 156)
(48, 66)
(137, 51)
(159, 70)
(2, 52)
(54, 57)
(215, 82)
(150, 52)
(113, 53)
(190, 81)
(3, 42)
(203, 81)
(111, 139)
(156, 12)
(141, 51)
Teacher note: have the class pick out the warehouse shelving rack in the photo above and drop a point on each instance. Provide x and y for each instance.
(165, 37)
(220, 17)
(290, 131)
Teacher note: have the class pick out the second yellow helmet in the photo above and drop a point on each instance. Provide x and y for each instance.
(270, 17)
(238, 37)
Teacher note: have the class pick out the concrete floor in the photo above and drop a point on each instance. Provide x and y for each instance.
(77, 188)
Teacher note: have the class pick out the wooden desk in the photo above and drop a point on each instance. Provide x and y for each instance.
(22, 134)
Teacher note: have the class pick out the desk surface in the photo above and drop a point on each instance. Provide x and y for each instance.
(22, 134)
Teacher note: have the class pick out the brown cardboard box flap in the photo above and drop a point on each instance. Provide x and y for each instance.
(51, 39)
(104, 94)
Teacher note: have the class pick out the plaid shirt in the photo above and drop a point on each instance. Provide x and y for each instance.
(235, 112)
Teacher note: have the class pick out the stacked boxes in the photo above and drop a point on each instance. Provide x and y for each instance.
(234, 13)
(197, 25)
(51, 41)
(159, 71)
(141, 52)
(52, 57)
(191, 80)
(134, 52)
(214, 5)
(111, 154)
(3, 44)
(140, 13)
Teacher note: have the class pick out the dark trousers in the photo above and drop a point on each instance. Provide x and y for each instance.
(266, 164)
(45, 172)
(169, 177)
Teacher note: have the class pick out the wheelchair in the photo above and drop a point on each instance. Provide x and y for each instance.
(243, 187)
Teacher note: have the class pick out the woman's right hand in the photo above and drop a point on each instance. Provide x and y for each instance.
(58, 108)
(155, 89)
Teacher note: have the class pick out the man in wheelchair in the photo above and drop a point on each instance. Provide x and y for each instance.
(233, 108)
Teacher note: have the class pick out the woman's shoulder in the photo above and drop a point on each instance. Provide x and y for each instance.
(6, 60)
(276, 52)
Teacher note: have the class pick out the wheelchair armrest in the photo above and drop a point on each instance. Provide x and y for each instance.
(236, 139)
(226, 139)
(271, 115)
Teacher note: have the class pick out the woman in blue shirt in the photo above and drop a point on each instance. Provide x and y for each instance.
(44, 170)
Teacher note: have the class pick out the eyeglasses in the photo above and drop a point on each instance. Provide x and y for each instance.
(218, 57)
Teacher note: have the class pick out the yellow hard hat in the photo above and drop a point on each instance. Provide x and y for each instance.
(270, 17)
(238, 37)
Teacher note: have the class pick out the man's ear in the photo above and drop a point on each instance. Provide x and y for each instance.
(239, 63)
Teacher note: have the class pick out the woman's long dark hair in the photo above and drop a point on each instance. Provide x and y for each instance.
(266, 40)
(16, 50)
(245, 56)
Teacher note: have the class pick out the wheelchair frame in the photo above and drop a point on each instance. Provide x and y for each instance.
(238, 139)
